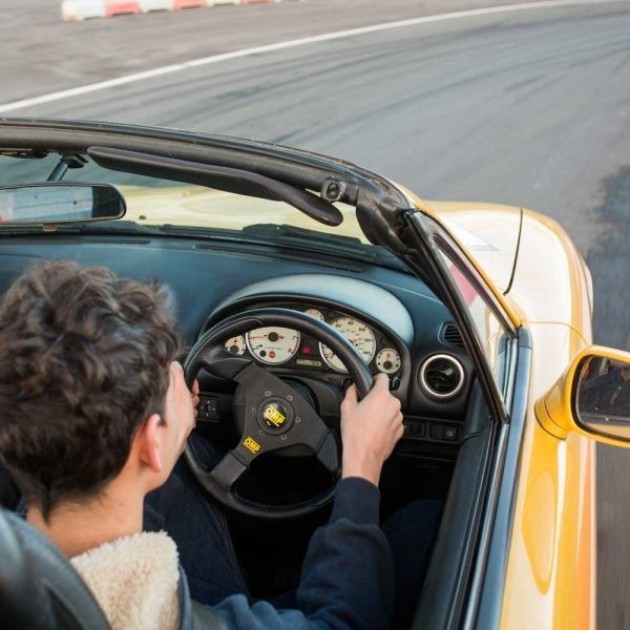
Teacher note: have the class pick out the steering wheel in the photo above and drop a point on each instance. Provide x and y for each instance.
(273, 414)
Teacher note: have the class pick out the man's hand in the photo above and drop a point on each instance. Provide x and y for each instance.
(179, 411)
(369, 430)
(196, 399)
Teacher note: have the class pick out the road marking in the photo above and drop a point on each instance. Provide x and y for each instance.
(294, 43)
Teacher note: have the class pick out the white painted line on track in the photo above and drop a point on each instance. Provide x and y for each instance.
(247, 52)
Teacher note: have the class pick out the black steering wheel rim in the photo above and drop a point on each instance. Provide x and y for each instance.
(209, 353)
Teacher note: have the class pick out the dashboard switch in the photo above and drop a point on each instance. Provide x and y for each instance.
(450, 434)
(208, 410)
(437, 432)
(415, 429)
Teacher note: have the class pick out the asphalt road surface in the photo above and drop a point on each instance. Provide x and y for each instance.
(530, 107)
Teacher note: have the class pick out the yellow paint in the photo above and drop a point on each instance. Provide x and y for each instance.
(550, 578)
(204, 207)
(539, 525)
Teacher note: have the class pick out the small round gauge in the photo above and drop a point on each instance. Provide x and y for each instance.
(236, 345)
(388, 361)
(273, 344)
(316, 313)
(359, 334)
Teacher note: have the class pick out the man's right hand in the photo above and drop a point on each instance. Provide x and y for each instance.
(369, 430)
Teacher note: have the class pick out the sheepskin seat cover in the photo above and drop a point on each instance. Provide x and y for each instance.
(135, 580)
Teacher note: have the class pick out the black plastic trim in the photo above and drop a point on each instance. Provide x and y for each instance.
(485, 608)
(444, 594)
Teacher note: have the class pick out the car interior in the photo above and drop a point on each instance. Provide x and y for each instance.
(258, 292)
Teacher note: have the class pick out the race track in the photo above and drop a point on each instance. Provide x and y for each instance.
(528, 107)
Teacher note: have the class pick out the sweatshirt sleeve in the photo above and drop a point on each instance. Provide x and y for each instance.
(347, 579)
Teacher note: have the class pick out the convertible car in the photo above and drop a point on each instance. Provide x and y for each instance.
(292, 274)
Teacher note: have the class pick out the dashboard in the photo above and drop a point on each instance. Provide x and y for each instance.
(422, 354)
(397, 324)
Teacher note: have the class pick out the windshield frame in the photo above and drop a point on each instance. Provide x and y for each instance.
(358, 192)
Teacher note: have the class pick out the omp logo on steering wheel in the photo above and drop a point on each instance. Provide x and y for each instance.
(274, 416)
(251, 445)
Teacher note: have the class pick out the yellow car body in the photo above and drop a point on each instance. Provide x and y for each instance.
(550, 574)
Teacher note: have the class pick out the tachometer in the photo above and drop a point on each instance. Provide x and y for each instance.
(358, 333)
(273, 344)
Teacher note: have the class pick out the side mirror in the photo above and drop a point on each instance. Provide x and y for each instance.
(602, 400)
(59, 202)
(591, 398)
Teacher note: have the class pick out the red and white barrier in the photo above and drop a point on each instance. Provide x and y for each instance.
(121, 7)
(77, 10)
(189, 4)
(146, 6)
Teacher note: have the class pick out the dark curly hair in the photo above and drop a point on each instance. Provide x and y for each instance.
(84, 360)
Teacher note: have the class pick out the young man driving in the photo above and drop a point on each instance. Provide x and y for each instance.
(94, 414)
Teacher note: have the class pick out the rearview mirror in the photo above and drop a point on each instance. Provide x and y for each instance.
(59, 202)
(591, 398)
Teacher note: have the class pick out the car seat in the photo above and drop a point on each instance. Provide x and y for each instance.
(39, 588)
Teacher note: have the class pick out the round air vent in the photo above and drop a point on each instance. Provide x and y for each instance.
(442, 376)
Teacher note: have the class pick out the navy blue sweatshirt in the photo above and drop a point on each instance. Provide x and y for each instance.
(347, 578)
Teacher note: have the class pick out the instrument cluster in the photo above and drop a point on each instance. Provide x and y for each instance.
(275, 345)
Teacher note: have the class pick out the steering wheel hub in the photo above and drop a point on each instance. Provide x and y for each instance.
(275, 415)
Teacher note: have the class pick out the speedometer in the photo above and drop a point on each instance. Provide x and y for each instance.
(273, 344)
(359, 334)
